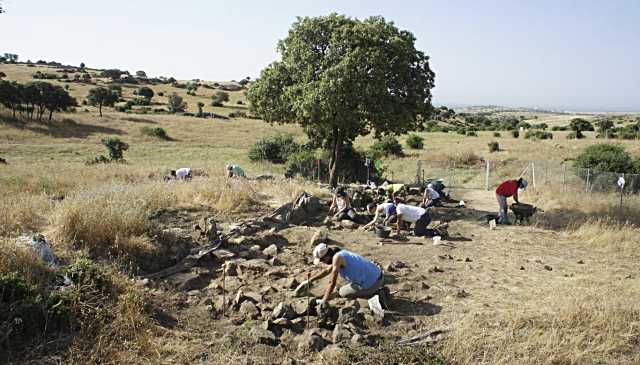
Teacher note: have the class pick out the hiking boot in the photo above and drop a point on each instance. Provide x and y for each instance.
(384, 295)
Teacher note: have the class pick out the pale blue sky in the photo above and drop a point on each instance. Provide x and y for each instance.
(554, 54)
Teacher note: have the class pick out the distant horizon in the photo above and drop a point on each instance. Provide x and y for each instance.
(552, 55)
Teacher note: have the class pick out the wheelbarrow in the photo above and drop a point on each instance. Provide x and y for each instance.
(523, 212)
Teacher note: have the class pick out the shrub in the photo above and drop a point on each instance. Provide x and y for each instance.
(160, 93)
(146, 92)
(219, 98)
(515, 134)
(580, 125)
(575, 135)
(496, 134)
(386, 146)
(559, 128)
(606, 157)
(538, 134)
(116, 149)
(157, 132)
(472, 134)
(276, 149)
(176, 103)
(415, 141)
(494, 146)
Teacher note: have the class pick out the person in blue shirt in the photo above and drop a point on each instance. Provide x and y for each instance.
(364, 277)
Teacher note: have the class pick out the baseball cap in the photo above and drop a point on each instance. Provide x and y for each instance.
(524, 184)
(319, 251)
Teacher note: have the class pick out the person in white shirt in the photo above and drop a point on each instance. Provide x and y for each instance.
(182, 173)
(420, 218)
(431, 197)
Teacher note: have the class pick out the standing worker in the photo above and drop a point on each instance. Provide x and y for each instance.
(505, 190)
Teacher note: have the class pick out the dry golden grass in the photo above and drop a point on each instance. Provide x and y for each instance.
(23, 213)
(99, 219)
(588, 323)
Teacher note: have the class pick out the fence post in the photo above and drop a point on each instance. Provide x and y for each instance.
(588, 177)
(533, 174)
(418, 172)
(486, 178)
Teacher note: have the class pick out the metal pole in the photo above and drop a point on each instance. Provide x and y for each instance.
(621, 192)
(486, 177)
(533, 174)
(308, 304)
(224, 297)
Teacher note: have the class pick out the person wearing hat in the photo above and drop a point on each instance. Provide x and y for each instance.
(234, 170)
(505, 190)
(431, 197)
(364, 277)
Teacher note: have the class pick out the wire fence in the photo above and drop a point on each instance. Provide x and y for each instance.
(480, 174)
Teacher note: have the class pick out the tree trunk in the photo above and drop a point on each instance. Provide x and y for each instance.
(50, 114)
(100, 109)
(333, 160)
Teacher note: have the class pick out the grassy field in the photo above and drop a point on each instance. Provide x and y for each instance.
(577, 314)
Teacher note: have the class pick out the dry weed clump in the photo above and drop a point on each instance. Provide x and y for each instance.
(106, 219)
(609, 236)
(222, 194)
(23, 213)
(23, 261)
(465, 158)
(598, 323)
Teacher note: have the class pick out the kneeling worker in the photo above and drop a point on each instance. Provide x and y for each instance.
(364, 277)
(421, 218)
(234, 170)
(387, 209)
(505, 190)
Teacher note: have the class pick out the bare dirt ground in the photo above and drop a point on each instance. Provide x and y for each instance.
(476, 272)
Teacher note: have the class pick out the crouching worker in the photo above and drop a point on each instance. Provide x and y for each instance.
(180, 174)
(388, 210)
(505, 190)
(364, 277)
(431, 197)
(234, 170)
(420, 218)
(341, 205)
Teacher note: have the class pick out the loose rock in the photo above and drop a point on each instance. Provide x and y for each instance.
(249, 310)
(263, 336)
(270, 251)
(283, 310)
(310, 342)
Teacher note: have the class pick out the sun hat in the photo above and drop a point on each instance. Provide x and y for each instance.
(319, 252)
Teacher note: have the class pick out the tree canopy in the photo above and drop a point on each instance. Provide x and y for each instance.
(102, 96)
(340, 78)
(35, 98)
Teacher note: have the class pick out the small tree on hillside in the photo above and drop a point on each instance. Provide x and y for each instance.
(82, 65)
(2, 75)
(101, 96)
(112, 73)
(146, 92)
(176, 103)
(580, 125)
(141, 74)
(219, 97)
(340, 78)
(200, 106)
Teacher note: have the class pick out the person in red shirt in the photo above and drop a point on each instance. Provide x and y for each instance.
(507, 189)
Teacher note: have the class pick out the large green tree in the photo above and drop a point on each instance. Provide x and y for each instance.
(340, 78)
